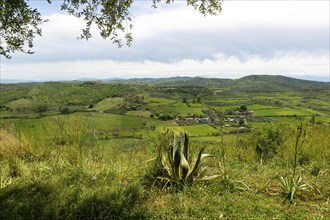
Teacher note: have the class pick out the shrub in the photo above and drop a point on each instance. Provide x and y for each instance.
(269, 140)
(40, 108)
(243, 108)
(64, 110)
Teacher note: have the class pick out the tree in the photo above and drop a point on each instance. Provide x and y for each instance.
(243, 108)
(20, 24)
(241, 122)
(64, 110)
(40, 108)
(269, 139)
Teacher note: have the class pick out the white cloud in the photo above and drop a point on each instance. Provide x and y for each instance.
(248, 37)
(222, 66)
(236, 14)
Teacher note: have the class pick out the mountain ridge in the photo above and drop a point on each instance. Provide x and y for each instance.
(151, 79)
(251, 83)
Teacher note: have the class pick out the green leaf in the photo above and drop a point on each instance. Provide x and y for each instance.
(184, 166)
(186, 146)
(165, 166)
(206, 156)
(177, 161)
(194, 167)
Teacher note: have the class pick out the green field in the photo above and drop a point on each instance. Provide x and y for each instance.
(107, 103)
(159, 101)
(200, 130)
(91, 150)
(281, 112)
(145, 114)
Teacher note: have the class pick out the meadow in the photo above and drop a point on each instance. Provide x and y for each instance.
(100, 157)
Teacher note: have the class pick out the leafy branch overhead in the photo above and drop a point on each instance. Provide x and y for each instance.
(20, 24)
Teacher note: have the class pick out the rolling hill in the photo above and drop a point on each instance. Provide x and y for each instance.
(252, 83)
(90, 92)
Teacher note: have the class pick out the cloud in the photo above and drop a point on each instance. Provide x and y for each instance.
(221, 66)
(277, 37)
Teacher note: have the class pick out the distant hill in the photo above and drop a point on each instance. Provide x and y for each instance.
(148, 80)
(276, 83)
(252, 83)
(78, 92)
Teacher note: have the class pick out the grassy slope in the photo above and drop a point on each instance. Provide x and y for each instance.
(94, 165)
(111, 180)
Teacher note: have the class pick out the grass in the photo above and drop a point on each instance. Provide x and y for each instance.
(112, 179)
(145, 114)
(106, 125)
(179, 109)
(153, 101)
(200, 130)
(19, 103)
(285, 111)
(259, 107)
(107, 103)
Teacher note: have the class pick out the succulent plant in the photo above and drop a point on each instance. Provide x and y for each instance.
(180, 167)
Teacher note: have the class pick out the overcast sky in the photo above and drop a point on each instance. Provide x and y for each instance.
(288, 38)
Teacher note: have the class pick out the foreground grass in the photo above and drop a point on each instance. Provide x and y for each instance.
(113, 180)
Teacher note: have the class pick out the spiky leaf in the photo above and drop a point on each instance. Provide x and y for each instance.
(184, 165)
(177, 160)
(195, 165)
(186, 146)
(206, 156)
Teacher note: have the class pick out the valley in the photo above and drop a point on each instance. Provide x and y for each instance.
(62, 139)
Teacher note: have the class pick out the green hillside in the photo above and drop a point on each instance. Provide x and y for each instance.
(257, 83)
(254, 83)
(258, 149)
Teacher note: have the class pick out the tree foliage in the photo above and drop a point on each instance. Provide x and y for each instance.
(269, 139)
(20, 24)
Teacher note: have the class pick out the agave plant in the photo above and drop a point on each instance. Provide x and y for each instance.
(178, 164)
(291, 186)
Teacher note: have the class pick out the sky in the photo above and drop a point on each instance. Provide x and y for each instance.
(289, 38)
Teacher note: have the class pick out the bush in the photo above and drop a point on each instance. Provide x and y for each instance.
(269, 140)
(165, 117)
(243, 108)
(64, 110)
(40, 108)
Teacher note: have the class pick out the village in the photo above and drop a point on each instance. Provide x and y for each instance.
(237, 118)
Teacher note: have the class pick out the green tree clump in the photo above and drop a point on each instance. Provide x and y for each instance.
(269, 139)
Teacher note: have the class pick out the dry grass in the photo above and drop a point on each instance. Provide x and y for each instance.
(14, 144)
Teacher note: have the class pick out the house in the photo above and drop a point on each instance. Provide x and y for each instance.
(202, 120)
(244, 113)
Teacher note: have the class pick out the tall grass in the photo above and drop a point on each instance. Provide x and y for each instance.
(102, 181)
(87, 178)
(14, 143)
